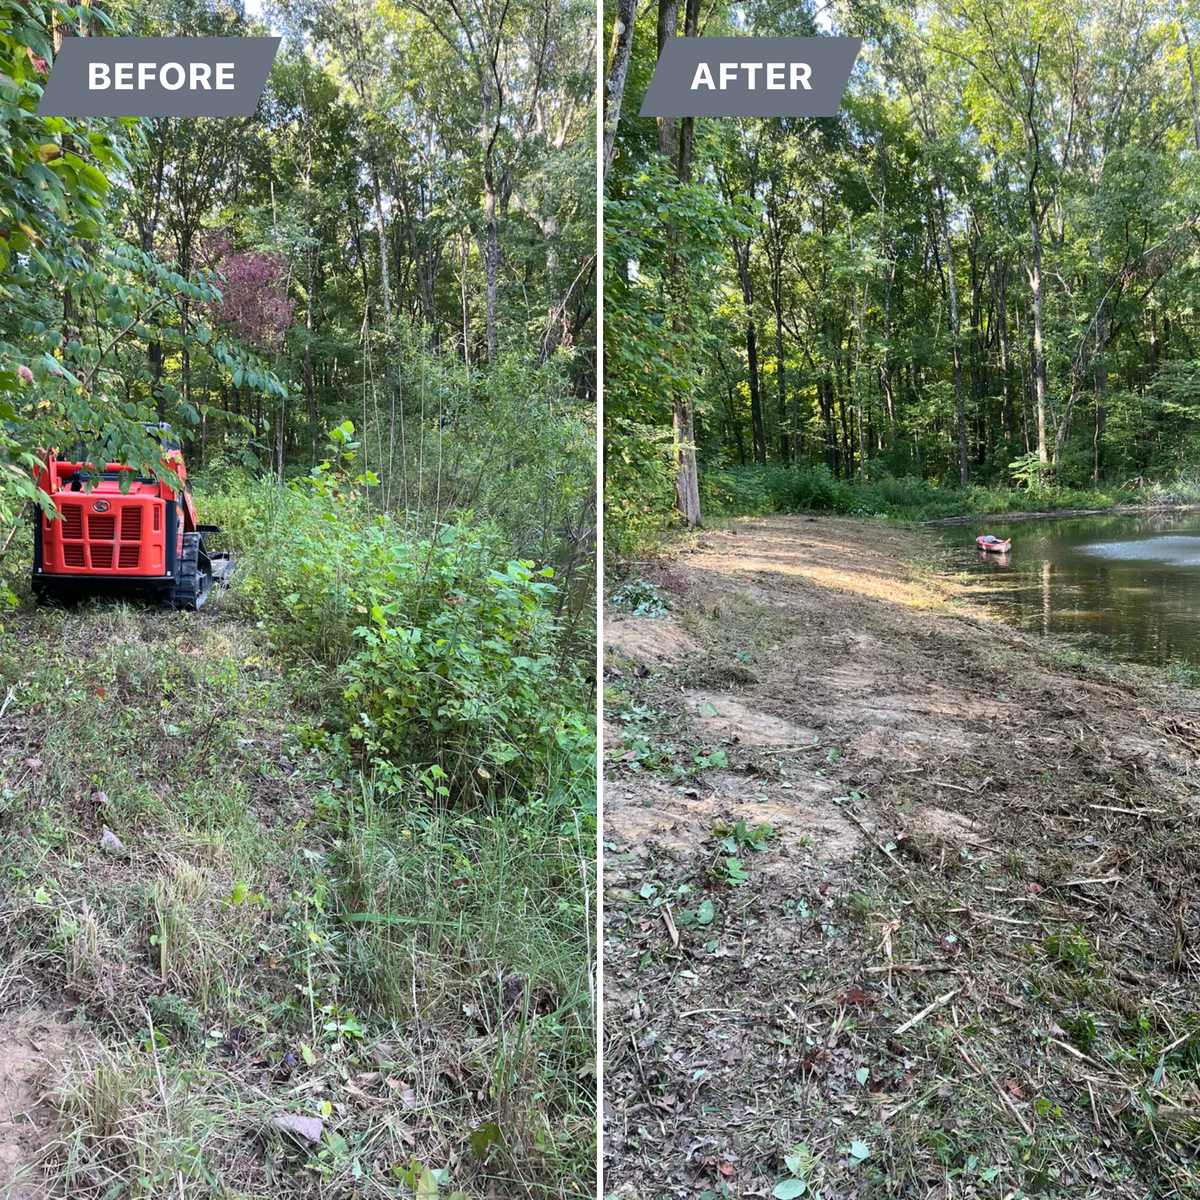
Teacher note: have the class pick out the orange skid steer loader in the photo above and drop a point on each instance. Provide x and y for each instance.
(140, 539)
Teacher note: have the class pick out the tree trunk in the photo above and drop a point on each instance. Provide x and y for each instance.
(756, 412)
(885, 367)
(1187, 46)
(491, 261)
(385, 284)
(310, 390)
(618, 71)
(668, 23)
(1101, 383)
(831, 442)
(860, 305)
(847, 468)
(781, 376)
(964, 470)
(1039, 345)
(687, 479)
(1002, 331)
(466, 310)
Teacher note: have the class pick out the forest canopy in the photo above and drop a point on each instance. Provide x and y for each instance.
(983, 271)
(404, 226)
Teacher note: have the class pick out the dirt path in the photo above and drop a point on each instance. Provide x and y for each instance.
(31, 1041)
(961, 960)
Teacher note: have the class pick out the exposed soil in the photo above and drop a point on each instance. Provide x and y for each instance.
(31, 1041)
(962, 960)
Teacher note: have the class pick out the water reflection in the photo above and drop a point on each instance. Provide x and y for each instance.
(1132, 582)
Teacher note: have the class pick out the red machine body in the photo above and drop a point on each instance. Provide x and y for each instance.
(140, 538)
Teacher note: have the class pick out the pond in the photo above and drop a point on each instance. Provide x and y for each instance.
(1129, 586)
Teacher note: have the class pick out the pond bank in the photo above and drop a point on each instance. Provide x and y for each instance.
(1116, 510)
(893, 881)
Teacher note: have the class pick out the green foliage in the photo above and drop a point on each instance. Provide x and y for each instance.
(1072, 951)
(448, 653)
(639, 484)
(752, 491)
(642, 599)
(61, 381)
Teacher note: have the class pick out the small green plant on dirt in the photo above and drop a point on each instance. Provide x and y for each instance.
(642, 599)
(702, 914)
(1083, 1030)
(641, 754)
(729, 871)
(1072, 951)
(804, 1177)
(709, 759)
(743, 836)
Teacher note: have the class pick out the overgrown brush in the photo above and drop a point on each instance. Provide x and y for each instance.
(448, 654)
(282, 935)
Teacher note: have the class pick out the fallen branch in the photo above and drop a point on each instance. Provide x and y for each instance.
(1079, 1054)
(912, 968)
(926, 1011)
(875, 841)
(1012, 1108)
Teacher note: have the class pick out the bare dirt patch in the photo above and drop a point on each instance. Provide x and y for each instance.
(32, 1040)
(729, 718)
(646, 639)
(650, 817)
(973, 936)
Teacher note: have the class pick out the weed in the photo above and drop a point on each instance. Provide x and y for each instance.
(642, 599)
(744, 836)
(1071, 950)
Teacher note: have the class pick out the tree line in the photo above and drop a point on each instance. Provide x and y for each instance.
(983, 269)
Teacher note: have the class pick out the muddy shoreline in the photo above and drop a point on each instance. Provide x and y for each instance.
(1117, 510)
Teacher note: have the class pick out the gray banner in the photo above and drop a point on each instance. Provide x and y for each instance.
(158, 77)
(751, 77)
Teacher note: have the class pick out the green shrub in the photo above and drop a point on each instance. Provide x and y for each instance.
(447, 651)
(757, 490)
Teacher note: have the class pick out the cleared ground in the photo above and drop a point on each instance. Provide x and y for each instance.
(899, 902)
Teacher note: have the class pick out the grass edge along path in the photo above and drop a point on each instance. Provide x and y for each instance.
(269, 937)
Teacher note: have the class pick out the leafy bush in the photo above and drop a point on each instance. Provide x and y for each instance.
(446, 650)
(642, 599)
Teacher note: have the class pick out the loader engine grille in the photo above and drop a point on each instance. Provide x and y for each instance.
(101, 528)
(90, 539)
(72, 521)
